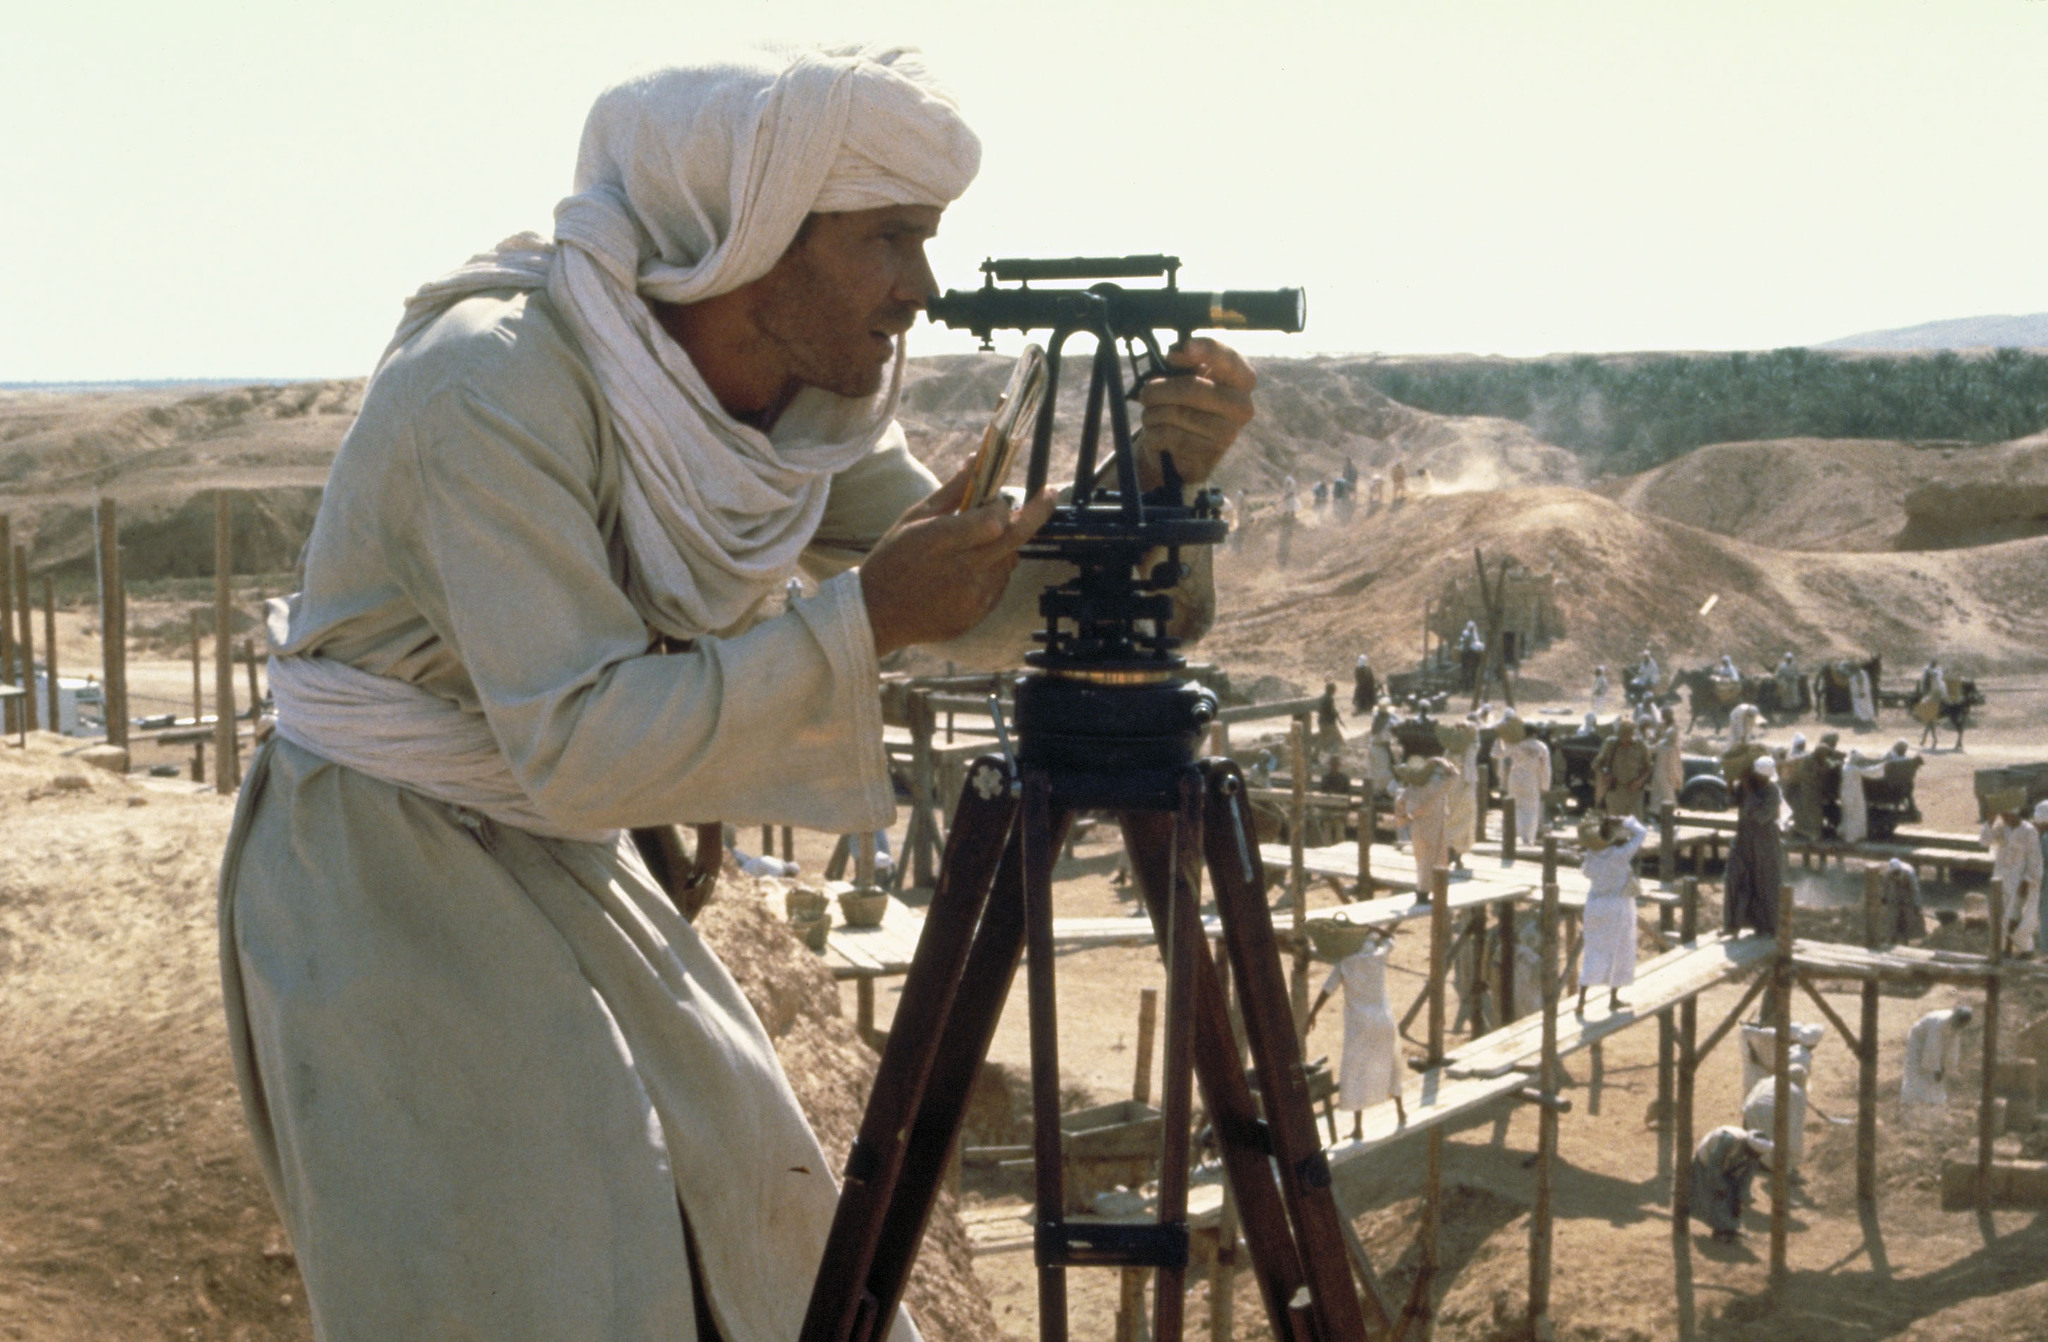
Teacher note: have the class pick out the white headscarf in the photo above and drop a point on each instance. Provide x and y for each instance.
(690, 183)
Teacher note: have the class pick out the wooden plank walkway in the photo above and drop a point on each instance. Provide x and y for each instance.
(1487, 880)
(878, 952)
(1490, 1068)
(1836, 960)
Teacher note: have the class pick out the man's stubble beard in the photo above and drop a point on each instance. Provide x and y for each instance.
(820, 333)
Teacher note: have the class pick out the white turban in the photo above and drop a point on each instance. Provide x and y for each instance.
(1765, 767)
(2041, 813)
(690, 183)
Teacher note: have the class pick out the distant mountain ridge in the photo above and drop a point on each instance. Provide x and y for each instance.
(1999, 332)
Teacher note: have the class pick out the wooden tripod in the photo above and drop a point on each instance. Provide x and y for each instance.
(993, 899)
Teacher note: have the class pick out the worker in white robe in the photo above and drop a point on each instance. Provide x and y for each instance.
(1424, 806)
(1607, 848)
(497, 1086)
(1856, 771)
(1759, 1110)
(1372, 1068)
(1525, 762)
(1745, 724)
(1601, 685)
(1862, 705)
(1934, 1053)
(2016, 865)
(1759, 1049)
(1667, 764)
(1461, 826)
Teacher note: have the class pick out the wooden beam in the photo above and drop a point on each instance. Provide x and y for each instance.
(113, 626)
(1866, 1056)
(1297, 877)
(1781, 1114)
(1688, 1065)
(1849, 1036)
(1541, 1225)
(1987, 1131)
(25, 600)
(50, 650)
(227, 767)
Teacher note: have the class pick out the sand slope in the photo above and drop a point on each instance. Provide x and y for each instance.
(1851, 494)
(1624, 579)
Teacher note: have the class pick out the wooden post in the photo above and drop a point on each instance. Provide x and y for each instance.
(1667, 843)
(1667, 1033)
(1148, 1024)
(27, 642)
(198, 701)
(788, 843)
(7, 616)
(1297, 874)
(1986, 1109)
(1368, 829)
(255, 689)
(1781, 1095)
(1431, 1233)
(1504, 1000)
(113, 626)
(1480, 797)
(1688, 1064)
(1510, 829)
(50, 651)
(227, 768)
(1866, 1055)
(1540, 1218)
(1223, 1274)
(923, 843)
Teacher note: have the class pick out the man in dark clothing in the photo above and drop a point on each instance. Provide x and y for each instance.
(1756, 860)
(1365, 686)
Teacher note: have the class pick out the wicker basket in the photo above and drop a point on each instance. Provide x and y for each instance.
(1332, 939)
(864, 909)
(812, 930)
(803, 901)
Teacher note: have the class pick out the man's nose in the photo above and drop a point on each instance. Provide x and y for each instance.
(917, 285)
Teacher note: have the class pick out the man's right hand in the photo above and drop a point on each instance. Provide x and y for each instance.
(938, 573)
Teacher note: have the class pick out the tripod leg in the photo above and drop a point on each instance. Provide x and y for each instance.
(1182, 945)
(1276, 1052)
(1048, 1156)
(963, 1043)
(1148, 838)
(874, 1165)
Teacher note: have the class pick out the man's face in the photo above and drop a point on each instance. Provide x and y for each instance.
(845, 291)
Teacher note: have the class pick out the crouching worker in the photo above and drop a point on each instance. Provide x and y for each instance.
(497, 1086)
(1724, 1167)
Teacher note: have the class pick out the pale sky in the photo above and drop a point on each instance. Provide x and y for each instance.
(205, 189)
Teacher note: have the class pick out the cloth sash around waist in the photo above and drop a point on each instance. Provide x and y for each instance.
(396, 731)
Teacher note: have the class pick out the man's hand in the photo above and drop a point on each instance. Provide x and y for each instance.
(1197, 417)
(939, 573)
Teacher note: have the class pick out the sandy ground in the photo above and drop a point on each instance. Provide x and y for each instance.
(1920, 1272)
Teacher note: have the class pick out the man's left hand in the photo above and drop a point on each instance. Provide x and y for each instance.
(1196, 417)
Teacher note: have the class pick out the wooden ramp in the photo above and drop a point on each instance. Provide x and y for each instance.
(1496, 1065)
(1835, 960)
(878, 952)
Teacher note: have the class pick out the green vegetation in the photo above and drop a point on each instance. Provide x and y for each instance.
(1630, 413)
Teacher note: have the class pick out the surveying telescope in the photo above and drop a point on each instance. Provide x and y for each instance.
(1106, 721)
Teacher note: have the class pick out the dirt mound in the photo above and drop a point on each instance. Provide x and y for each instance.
(130, 1202)
(1851, 494)
(1623, 580)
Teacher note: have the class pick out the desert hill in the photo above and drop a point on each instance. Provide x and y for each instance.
(1851, 494)
(1956, 333)
(1623, 579)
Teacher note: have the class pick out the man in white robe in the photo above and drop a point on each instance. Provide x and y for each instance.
(1759, 1113)
(1934, 1052)
(1525, 761)
(1745, 724)
(1424, 806)
(497, 1086)
(1667, 766)
(2016, 865)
